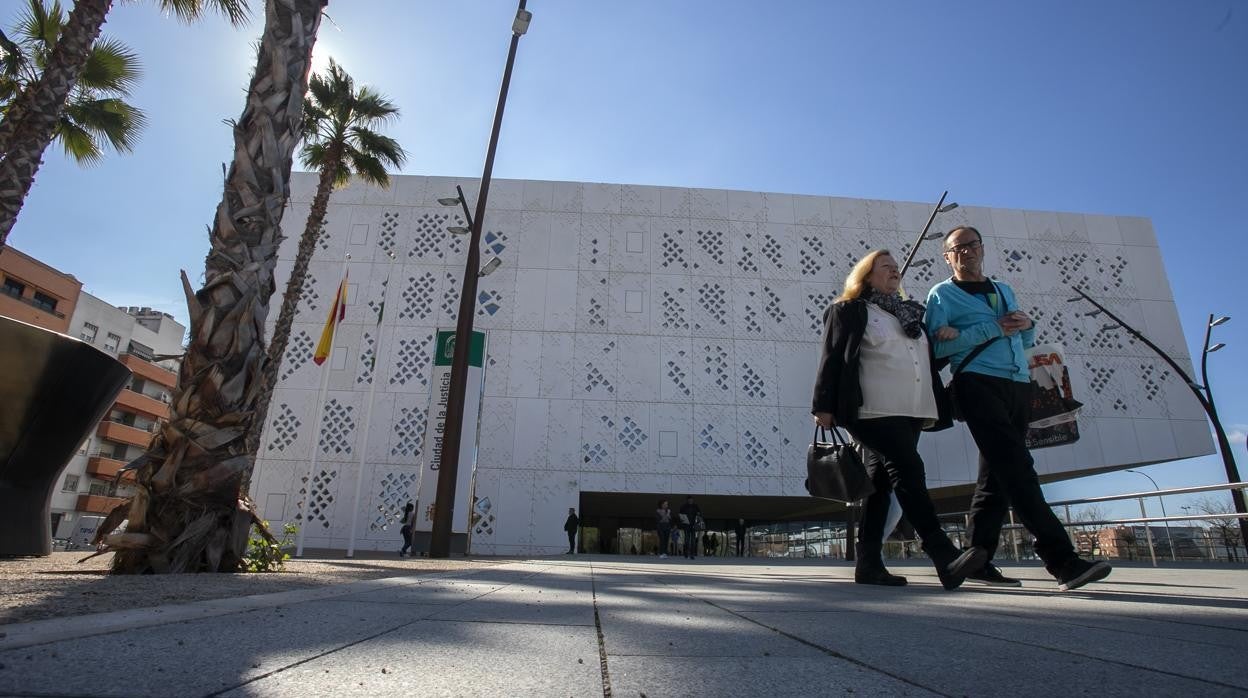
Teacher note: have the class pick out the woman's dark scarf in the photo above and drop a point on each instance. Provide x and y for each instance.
(909, 313)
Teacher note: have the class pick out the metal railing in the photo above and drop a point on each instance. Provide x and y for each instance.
(1142, 519)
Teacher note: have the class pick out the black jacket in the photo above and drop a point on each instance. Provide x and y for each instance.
(837, 389)
(571, 524)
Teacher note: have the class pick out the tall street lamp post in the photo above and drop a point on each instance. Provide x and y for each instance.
(1202, 392)
(448, 466)
(940, 207)
(1162, 502)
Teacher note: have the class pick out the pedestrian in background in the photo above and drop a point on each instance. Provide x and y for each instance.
(571, 526)
(690, 515)
(409, 525)
(663, 521)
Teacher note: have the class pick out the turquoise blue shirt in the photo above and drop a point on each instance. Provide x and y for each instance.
(976, 322)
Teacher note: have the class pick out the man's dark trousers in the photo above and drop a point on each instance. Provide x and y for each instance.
(571, 541)
(997, 411)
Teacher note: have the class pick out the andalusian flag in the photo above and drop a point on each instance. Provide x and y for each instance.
(337, 312)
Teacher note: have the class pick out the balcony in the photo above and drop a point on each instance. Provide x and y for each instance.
(97, 504)
(38, 305)
(103, 466)
(131, 401)
(149, 371)
(115, 431)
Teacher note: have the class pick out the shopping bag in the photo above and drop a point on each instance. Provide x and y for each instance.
(834, 470)
(1054, 409)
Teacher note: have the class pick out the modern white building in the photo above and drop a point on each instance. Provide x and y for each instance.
(652, 341)
(139, 338)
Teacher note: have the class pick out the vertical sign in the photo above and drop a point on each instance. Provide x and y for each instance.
(435, 429)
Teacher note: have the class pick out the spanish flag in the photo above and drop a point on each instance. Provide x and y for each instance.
(336, 314)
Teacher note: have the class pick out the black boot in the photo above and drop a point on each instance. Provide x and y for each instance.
(869, 569)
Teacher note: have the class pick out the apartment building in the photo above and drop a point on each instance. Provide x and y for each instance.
(149, 343)
(34, 292)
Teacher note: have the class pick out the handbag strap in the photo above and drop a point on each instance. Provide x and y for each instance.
(976, 351)
(821, 434)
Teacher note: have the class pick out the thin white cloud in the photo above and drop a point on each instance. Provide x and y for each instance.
(1237, 433)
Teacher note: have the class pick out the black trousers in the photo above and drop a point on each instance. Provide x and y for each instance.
(997, 411)
(571, 541)
(900, 470)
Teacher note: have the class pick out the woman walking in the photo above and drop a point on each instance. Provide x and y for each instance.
(663, 521)
(877, 379)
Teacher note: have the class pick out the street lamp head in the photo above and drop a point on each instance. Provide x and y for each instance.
(933, 236)
(390, 254)
(1220, 320)
(947, 207)
(1216, 347)
(1076, 299)
(457, 230)
(449, 201)
(521, 23)
(490, 266)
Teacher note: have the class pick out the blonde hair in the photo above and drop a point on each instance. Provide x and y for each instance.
(856, 282)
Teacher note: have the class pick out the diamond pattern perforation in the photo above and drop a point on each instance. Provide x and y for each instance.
(409, 433)
(284, 428)
(673, 312)
(314, 504)
(393, 493)
(389, 233)
(368, 359)
(631, 435)
(298, 351)
(337, 425)
(714, 244)
(418, 296)
(413, 356)
(672, 249)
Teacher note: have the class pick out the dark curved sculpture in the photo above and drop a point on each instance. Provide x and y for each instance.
(54, 389)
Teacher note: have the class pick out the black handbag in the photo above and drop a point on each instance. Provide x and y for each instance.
(834, 470)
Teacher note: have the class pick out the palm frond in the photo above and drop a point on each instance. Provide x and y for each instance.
(236, 11)
(109, 119)
(111, 66)
(367, 167)
(313, 155)
(78, 144)
(376, 145)
(372, 106)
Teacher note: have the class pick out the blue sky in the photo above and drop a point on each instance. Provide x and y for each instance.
(1127, 107)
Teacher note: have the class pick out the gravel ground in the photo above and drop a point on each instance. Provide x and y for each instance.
(64, 584)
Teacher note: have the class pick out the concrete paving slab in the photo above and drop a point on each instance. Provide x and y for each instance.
(526, 606)
(715, 677)
(448, 659)
(435, 592)
(197, 657)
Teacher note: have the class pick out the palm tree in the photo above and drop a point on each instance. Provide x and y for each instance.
(96, 113)
(339, 142)
(33, 115)
(189, 513)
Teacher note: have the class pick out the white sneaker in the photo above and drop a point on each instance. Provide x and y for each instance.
(663, 556)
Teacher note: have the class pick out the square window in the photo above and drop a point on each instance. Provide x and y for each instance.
(14, 288)
(274, 507)
(44, 301)
(352, 290)
(88, 332)
(668, 444)
(112, 342)
(71, 484)
(635, 242)
(338, 358)
(359, 233)
(632, 301)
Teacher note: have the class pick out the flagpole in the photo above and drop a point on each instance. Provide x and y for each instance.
(368, 409)
(320, 406)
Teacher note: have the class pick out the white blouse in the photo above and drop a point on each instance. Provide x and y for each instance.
(894, 370)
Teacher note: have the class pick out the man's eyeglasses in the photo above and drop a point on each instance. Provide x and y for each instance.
(965, 248)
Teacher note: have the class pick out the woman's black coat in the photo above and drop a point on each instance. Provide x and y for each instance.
(837, 389)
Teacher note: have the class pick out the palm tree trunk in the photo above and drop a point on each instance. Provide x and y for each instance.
(189, 514)
(27, 129)
(294, 290)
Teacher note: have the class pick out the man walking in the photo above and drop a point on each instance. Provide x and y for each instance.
(993, 393)
(690, 516)
(571, 526)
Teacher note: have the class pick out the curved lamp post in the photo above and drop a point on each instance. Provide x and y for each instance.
(1161, 501)
(1202, 392)
(448, 466)
(941, 207)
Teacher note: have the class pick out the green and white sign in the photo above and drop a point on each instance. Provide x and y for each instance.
(435, 428)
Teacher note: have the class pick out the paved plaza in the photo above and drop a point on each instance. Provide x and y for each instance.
(630, 626)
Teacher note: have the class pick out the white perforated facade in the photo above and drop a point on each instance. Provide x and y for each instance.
(663, 340)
